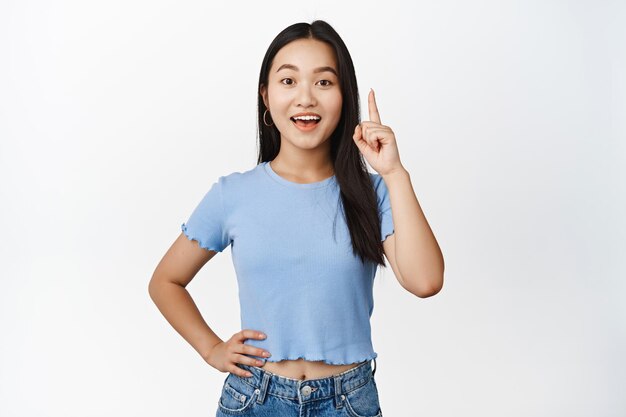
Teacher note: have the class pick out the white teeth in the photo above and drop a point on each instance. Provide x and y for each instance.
(306, 118)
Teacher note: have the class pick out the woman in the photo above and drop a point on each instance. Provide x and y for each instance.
(308, 226)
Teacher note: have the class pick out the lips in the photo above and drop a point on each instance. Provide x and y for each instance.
(304, 125)
(307, 113)
(305, 121)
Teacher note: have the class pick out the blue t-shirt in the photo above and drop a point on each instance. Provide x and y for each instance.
(298, 280)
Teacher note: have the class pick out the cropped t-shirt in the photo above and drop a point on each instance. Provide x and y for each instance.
(299, 282)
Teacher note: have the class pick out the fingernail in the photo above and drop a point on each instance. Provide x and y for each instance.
(262, 335)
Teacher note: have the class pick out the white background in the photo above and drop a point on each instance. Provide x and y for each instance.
(116, 117)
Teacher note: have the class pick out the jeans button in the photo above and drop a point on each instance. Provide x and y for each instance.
(306, 390)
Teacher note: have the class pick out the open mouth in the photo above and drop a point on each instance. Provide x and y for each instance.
(305, 124)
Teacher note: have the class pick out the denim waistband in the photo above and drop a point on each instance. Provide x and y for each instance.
(303, 391)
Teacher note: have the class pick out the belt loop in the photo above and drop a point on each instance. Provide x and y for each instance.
(374, 370)
(265, 379)
(338, 392)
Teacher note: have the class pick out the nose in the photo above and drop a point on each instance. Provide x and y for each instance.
(305, 96)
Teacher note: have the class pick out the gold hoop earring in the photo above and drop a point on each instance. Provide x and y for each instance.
(264, 122)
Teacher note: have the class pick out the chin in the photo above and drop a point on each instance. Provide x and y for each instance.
(306, 145)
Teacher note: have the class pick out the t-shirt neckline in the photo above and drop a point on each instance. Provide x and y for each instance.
(268, 169)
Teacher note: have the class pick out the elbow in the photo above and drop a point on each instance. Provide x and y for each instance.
(426, 281)
(427, 287)
(424, 294)
(161, 284)
(154, 287)
(437, 286)
(433, 291)
(431, 284)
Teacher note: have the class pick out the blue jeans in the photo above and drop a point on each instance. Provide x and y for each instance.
(352, 393)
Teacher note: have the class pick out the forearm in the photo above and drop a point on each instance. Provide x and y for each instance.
(418, 256)
(179, 309)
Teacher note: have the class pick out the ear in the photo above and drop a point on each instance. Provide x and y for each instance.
(263, 92)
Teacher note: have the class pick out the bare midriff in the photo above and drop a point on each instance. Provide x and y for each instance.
(303, 369)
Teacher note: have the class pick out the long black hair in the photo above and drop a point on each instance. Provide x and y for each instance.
(358, 196)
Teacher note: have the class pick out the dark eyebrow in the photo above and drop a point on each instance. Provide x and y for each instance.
(316, 70)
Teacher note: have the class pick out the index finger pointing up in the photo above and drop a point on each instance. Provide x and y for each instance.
(371, 104)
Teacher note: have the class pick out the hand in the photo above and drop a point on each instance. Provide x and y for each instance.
(377, 142)
(225, 355)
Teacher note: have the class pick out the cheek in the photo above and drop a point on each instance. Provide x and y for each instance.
(277, 99)
(336, 108)
(337, 101)
(279, 103)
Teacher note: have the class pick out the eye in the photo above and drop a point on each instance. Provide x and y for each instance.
(328, 82)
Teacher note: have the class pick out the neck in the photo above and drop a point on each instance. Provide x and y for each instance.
(304, 166)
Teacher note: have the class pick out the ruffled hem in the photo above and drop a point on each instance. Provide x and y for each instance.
(314, 358)
(183, 227)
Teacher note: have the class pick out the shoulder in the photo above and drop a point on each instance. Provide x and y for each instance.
(241, 177)
(237, 183)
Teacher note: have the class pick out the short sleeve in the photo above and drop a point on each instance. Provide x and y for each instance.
(206, 225)
(384, 207)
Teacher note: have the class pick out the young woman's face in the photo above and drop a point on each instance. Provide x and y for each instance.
(304, 78)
